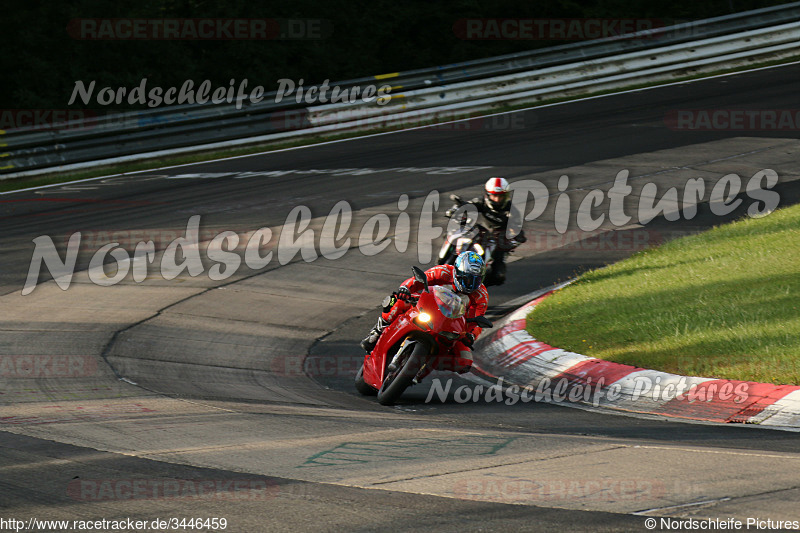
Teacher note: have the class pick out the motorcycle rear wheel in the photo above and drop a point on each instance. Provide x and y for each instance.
(395, 383)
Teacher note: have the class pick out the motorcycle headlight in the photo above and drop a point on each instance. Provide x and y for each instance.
(424, 317)
(450, 335)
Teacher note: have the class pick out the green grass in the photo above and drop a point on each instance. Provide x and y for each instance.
(721, 304)
(52, 178)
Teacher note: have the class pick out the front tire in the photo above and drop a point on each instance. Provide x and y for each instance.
(361, 385)
(397, 382)
(449, 258)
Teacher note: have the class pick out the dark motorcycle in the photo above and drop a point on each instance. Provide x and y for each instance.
(469, 235)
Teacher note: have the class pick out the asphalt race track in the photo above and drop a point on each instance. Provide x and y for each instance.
(232, 397)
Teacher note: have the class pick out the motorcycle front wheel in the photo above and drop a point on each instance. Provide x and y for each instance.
(448, 259)
(395, 383)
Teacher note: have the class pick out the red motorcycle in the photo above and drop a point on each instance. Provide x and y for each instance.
(419, 341)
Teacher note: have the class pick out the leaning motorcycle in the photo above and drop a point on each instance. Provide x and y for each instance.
(467, 236)
(419, 341)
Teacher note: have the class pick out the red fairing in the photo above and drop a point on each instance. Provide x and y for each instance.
(444, 275)
(424, 333)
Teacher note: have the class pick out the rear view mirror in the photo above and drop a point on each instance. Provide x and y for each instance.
(419, 275)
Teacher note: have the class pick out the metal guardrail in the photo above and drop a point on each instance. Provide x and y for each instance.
(596, 74)
(467, 87)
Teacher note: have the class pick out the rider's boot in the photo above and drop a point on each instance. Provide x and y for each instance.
(369, 342)
(463, 364)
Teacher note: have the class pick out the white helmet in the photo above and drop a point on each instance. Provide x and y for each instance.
(497, 194)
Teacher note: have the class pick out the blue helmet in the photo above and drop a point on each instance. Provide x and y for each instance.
(470, 270)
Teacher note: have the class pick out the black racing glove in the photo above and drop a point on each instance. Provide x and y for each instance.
(458, 203)
(469, 340)
(402, 294)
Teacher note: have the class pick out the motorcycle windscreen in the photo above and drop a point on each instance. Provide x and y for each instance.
(451, 304)
(454, 234)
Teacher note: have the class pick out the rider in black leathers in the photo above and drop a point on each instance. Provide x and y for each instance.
(496, 212)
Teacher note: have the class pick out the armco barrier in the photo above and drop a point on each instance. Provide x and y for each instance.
(596, 74)
(508, 351)
(419, 95)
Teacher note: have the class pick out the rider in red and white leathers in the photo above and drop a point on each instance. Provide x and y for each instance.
(439, 275)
